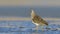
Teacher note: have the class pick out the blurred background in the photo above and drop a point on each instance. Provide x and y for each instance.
(22, 8)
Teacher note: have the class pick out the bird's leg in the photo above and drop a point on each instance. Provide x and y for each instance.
(36, 28)
(41, 27)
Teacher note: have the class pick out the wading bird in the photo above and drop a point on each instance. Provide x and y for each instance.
(37, 20)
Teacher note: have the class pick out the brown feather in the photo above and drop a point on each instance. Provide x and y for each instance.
(39, 20)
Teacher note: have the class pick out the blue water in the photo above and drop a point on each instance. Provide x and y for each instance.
(25, 27)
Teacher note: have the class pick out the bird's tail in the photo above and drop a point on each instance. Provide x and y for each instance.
(46, 24)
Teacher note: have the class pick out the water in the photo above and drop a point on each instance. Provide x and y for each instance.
(26, 27)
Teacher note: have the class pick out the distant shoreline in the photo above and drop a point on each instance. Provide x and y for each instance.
(23, 18)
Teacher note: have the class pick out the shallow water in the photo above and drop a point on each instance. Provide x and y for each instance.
(26, 27)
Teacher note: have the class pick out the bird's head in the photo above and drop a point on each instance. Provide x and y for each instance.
(33, 13)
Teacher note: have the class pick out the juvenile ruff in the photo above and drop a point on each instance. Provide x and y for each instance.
(38, 21)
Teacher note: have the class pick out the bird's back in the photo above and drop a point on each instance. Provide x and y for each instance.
(39, 20)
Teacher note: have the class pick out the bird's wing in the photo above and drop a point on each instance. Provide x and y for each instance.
(44, 22)
(36, 19)
(39, 20)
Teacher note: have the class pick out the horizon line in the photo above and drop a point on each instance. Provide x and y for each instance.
(23, 18)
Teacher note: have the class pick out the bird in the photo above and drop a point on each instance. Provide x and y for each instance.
(37, 20)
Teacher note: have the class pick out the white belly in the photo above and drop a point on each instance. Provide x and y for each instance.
(35, 23)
